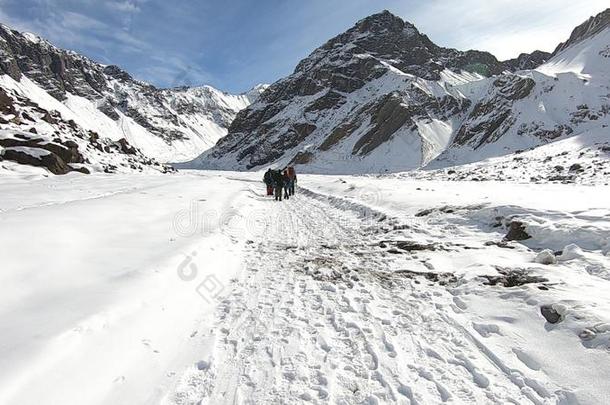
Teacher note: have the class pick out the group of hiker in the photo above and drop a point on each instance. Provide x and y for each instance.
(279, 181)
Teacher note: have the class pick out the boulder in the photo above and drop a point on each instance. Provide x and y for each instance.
(37, 157)
(516, 231)
(68, 151)
(125, 147)
(82, 170)
(550, 314)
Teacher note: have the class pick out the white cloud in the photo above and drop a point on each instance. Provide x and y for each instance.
(502, 27)
(124, 6)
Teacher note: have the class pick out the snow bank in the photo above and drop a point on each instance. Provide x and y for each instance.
(101, 308)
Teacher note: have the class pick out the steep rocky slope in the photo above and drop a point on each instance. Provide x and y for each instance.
(382, 97)
(588, 29)
(167, 124)
(45, 135)
(527, 61)
(568, 95)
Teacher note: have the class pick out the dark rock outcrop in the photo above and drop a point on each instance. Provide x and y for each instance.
(492, 117)
(527, 61)
(37, 157)
(516, 231)
(550, 314)
(57, 71)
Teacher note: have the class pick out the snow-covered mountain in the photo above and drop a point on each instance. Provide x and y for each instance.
(383, 97)
(165, 124)
(568, 95)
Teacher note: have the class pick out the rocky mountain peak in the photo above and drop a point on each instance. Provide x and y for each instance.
(117, 73)
(527, 61)
(384, 21)
(589, 28)
(383, 36)
(383, 96)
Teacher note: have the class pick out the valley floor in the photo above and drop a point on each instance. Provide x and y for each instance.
(196, 288)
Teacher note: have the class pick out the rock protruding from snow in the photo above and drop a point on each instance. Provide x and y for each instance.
(550, 314)
(527, 61)
(517, 231)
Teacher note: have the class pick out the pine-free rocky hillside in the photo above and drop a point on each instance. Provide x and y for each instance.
(106, 103)
(383, 97)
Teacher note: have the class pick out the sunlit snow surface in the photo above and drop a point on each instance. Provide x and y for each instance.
(196, 288)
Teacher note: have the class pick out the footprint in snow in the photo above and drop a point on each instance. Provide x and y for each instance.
(527, 359)
(119, 380)
(460, 303)
(486, 330)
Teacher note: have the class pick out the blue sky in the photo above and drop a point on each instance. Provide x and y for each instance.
(235, 44)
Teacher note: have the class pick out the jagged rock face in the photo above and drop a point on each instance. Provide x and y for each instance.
(388, 38)
(187, 120)
(588, 29)
(57, 71)
(322, 93)
(383, 97)
(527, 61)
(492, 117)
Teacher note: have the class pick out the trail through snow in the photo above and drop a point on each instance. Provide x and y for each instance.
(321, 314)
(196, 288)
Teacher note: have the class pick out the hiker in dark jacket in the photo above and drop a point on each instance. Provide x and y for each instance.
(268, 180)
(293, 184)
(278, 184)
(287, 182)
(293, 179)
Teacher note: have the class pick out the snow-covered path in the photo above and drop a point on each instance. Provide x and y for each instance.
(319, 317)
(323, 314)
(196, 288)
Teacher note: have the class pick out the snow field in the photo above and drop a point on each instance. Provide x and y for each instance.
(196, 288)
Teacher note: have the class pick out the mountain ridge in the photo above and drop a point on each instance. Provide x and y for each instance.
(181, 123)
(383, 91)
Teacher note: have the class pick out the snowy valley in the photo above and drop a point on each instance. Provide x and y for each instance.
(449, 240)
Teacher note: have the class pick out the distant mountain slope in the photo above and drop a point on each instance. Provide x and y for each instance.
(167, 124)
(527, 61)
(382, 97)
(566, 96)
(589, 28)
(45, 135)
